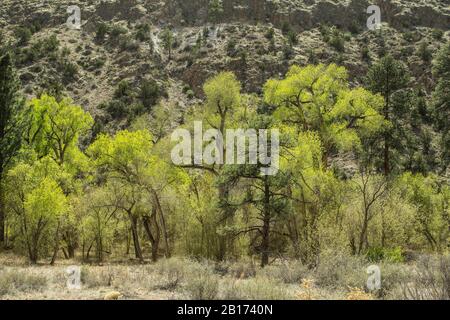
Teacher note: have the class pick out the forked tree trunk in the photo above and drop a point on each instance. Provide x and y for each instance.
(135, 234)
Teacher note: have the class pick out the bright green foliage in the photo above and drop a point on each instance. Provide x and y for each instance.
(317, 98)
(37, 203)
(223, 97)
(56, 128)
(431, 201)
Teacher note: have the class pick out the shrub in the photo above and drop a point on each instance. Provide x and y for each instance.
(231, 47)
(204, 286)
(50, 44)
(358, 294)
(270, 33)
(69, 70)
(289, 273)
(339, 269)
(101, 31)
(377, 254)
(149, 93)
(143, 32)
(242, 270)
(292, 38)
(365, 53)
(337, 41)
(259, 288)
(116, 31)
(23, 35)
(424, 52)
(285, 28)
(127, 44)
(94, 277)
(431, 280)
(20, 281)
(437, 34)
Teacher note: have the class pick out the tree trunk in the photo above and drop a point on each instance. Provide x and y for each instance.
(363, 236)
(154, 238)
(163, 224)
(134, 233)
(265, 243)
(387, 168)
(55, 251)
(2, 210)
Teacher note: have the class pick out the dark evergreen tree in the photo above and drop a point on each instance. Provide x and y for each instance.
(388, 77)
(11, 106)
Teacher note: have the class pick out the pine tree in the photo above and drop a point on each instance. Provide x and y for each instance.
(11, 105)
(387, 77)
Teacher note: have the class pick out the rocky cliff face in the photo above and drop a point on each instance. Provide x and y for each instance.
(257, 39)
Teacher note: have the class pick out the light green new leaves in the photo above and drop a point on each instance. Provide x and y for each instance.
(56, 128)
(317, 98)
(223, 97)
(46, 202)
(128, 153)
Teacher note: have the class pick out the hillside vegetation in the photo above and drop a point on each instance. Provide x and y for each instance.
(87, 170)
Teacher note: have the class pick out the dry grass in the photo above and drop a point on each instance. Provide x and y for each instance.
(337, 277)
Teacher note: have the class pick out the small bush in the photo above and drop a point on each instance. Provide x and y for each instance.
(340, 270)
(94, 277)
(378, 254)
(424, 52)
(431, 280)
(437, 34)
(23, 35)
(259, 288)
(143, 32)
(270, 34)
(337, 41)
(116, 31)
(289, 273)
(101, 31)
(20, 281)
(204, 286)
(286, 28)
(292, 38)
(231, 47)
(242, 270)
(358, 294)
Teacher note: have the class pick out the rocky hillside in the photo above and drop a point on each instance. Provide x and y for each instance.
(171, 47)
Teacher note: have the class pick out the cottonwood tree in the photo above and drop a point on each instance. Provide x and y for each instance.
(54, 129)
(138, 177)
(37, 203)
(313, 192)
(222, 106)
(11, 124)
(371, 189)
(318, 98)
(431, 199)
